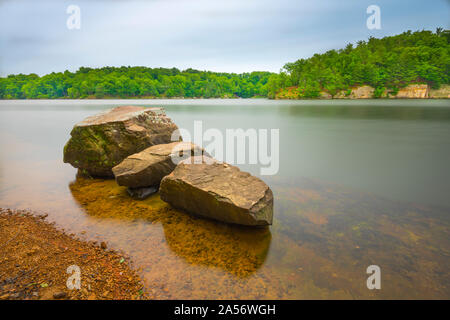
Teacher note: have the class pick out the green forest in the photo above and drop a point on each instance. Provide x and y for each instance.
(134, 82)
(385, 64)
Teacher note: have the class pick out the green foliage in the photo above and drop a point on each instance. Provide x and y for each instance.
(134, 82)
(394, 91)
(379, 92)
(309, 90)
(390, 62)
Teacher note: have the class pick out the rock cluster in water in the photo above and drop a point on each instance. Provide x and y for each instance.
(134, 145)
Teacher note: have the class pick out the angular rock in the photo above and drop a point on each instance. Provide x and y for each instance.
(413, 91)
(149, 166)
(102, 141)
(205, 187)
(142, 193)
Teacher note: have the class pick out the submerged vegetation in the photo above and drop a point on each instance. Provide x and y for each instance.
(389, 63)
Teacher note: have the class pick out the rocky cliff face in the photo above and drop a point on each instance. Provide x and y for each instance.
(442, 93)
(363, 92)
(413, 91)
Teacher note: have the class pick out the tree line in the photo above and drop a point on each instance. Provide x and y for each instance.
(388, 63)
(130, 82)
(385, 64)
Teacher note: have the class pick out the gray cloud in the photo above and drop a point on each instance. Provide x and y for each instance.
(232, 35)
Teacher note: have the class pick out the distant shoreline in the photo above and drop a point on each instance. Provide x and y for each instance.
(47, 280)
(259, 98)
(364, 92)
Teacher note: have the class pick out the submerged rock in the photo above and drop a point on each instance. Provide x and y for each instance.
(205, 187)
(100, 142)
(142, 193)
(60, 295)
(149, 166)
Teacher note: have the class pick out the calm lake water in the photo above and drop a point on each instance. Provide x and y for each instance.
(360, 183)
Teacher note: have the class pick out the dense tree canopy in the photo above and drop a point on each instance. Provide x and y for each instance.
(129, 82)
(387, 63)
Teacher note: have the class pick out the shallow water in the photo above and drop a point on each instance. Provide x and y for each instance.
(360, 183)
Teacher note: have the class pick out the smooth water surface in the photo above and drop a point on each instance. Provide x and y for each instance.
(361, 182)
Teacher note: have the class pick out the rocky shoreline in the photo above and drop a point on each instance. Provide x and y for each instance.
(35, 255)
(143, 150)
(412, 91)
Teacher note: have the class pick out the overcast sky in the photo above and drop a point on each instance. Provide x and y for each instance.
(226, 35)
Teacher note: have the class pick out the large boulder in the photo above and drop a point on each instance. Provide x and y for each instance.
(149, 166)
(205, 187)
(100, 142)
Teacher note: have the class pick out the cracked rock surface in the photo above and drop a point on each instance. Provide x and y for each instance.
(205, 187)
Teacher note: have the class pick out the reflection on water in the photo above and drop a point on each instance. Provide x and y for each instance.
(237, 250)
(349, 231)
(325, 236)
(331, 220)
